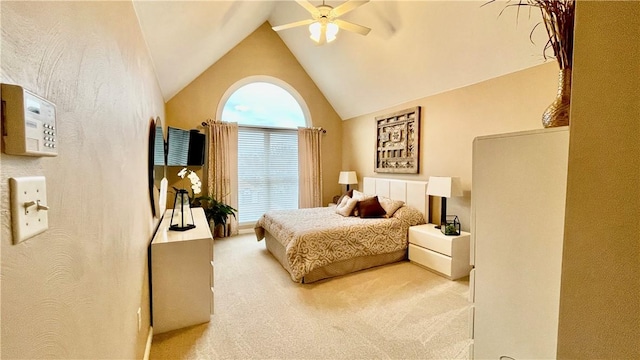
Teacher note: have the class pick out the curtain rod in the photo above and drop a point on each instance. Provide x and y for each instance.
(204, 123)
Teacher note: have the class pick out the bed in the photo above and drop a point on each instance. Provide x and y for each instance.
(317, 243)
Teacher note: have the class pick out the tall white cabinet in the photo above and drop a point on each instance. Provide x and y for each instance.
(517, 227)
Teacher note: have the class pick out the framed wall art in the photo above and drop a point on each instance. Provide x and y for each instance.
(398, 142)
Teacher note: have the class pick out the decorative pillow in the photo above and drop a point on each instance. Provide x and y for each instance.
(360, 195)
(348, 193)
(346, 206)
(390, 205)
(370, 208)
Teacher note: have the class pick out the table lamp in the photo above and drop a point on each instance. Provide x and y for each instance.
(445, 187)
(348, 178)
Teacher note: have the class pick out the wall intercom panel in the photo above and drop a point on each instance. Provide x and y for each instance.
(28, 123)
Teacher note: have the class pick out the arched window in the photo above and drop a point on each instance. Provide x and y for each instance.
(263, 104)
(268, 112)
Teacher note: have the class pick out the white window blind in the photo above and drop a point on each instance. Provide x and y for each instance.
(267, 171)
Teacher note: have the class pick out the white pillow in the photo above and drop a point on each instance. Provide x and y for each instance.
(389, 205)
(346, 206)
(361, 196)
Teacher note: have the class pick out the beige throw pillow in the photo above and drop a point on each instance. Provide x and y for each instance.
(346, 206)
(390, 205)
(348, 193)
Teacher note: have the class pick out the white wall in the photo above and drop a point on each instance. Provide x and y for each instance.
(261, 53)
(73, 291)
(450, 121)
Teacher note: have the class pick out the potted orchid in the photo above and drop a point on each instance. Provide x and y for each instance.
(216, 211)
(196, 184)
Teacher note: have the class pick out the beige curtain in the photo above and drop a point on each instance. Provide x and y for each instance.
(222, 174)
(309, 167)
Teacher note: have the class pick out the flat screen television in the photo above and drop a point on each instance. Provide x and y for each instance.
(195, 156)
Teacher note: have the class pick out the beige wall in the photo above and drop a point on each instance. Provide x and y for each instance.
(261, 53)
(73, 291)
(450, 122)
(600, 290)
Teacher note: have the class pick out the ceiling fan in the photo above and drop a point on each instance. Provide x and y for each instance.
(324, 24)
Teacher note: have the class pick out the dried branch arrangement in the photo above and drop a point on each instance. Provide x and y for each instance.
(558, 19)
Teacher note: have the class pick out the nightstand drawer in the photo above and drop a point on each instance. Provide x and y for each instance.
(427, 236)
(430, 259)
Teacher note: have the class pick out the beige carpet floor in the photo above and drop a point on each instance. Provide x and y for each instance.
(397, 311)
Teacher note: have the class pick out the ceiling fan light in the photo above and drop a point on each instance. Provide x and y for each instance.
(315, 30)
(332, 31)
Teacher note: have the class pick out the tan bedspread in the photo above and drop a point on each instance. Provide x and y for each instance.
(317, 237)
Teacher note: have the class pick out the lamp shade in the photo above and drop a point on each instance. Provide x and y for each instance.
(444, 186)
(348, 178)
(315, 29)
(332, 31)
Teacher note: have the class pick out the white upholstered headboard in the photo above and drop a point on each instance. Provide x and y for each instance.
(413, 193)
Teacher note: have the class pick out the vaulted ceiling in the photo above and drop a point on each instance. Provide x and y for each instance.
(415, 48)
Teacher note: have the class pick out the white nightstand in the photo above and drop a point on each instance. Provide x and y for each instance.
(447, 255)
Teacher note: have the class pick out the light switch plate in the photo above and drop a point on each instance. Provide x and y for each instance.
(29, 210)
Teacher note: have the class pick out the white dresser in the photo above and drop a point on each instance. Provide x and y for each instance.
(517, 206)
(181, 275)
(445, 254)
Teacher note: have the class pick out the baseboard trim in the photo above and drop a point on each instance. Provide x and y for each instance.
(147, 349)
(248, 230)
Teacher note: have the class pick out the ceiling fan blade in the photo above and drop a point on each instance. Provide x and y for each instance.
(348, 6)
(292, 25)
(308, 6)
(349, 26)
